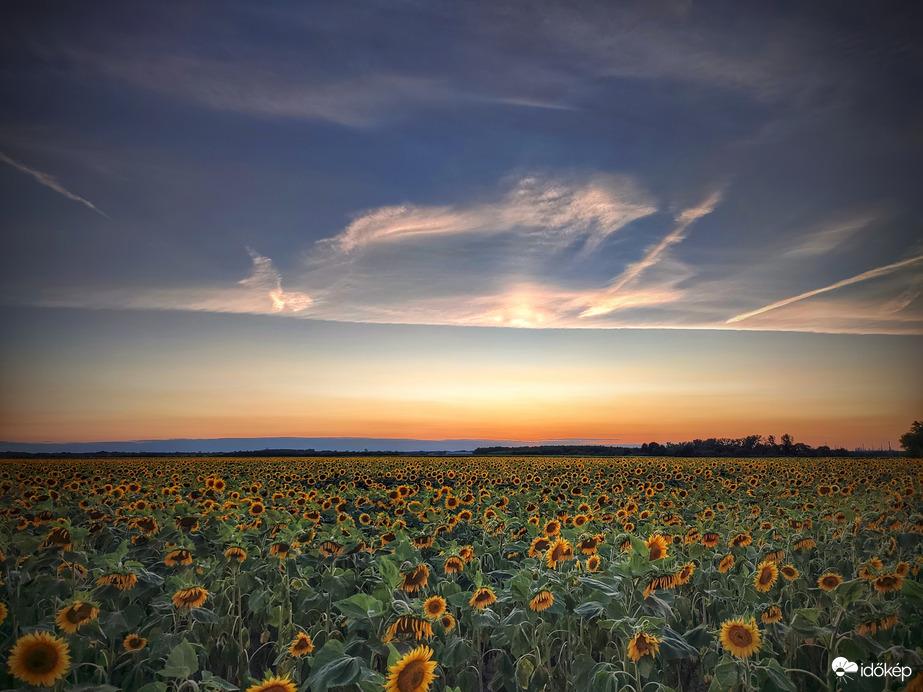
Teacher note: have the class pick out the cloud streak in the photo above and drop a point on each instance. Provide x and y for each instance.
(553, 211)
(50, 182)
(652, 256)
(864, 276)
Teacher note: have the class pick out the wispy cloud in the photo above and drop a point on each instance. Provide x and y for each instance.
(610, 301)
(261, 293)
(828, 236)
(556, 211)
(265, 279)
(864, 276)
(50, 182)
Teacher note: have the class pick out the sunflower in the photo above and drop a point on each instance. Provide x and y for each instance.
(657, 546)
(416, 578)
(178, 557)
(123, 581)
(4, 611)
(434, 607)
(740, 638)
(466, 553)
(727, 562)
(39, 659)
(134, 643)
(643, 644)
(790, 572)
(593, 563)
(235, 553)
(888, 582)
(482, 598)
(448, 622)
(560, 551)
(539, 546)
(71, 618)
(830, 581)
(766, 575)
(741, 540)
(193, 597)
(543, 600)
(590, 544)
(301, 646)
(256, 509)
(552, 528)
(454, 564)
(408, 625)
(414, 672)
(902, 569)
(684, 574)
(772, 614)
(805, 544)
(274, 684)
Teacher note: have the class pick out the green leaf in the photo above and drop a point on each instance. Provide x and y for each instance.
(455, 653)
(393, 655)
(360, 607)
(849, 591)
(674, 646)
(214, 681)
(727, 673)
(771, 672)
(913, 593)
(590, 609)
(520, 587)
(390, 575)
(182, 661)
(524, 670)
(339, 671)
(154, 687)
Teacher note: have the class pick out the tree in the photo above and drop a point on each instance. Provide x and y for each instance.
(912, 440)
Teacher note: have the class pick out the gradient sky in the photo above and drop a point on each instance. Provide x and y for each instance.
(511, 220)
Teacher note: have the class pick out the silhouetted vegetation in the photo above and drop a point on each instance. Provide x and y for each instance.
(912, 440)
(749, 446)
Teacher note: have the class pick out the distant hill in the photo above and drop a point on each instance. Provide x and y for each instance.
(257, 444)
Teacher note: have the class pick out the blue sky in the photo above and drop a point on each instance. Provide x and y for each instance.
(660, 167)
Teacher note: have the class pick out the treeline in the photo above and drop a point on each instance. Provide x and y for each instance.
(749, 446)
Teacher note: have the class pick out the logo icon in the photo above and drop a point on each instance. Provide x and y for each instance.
(842, 666)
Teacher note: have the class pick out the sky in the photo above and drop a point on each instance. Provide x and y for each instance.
(597, 221)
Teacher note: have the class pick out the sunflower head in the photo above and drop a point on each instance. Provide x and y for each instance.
(482, 598)
(134, 643)
(416, 578)
(543, 600)
(71, 618)
(643, 644)
(434, 606)
(727, 562)
(766, 575)
(193, 597)
(657, 547)
(454, 564)
(830, 581)
(740, 638)
(414, 672)
(790, 572)
(39, 659)
(771, 615)
(274, 684)
(448, 622)
(888, 582)
(301, 646)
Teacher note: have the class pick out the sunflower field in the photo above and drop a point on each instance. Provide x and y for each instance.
(432, 573)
